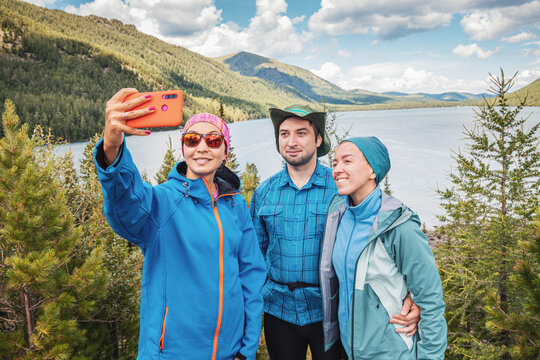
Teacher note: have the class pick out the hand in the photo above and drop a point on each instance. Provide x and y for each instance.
(116, 114)
(409, 317)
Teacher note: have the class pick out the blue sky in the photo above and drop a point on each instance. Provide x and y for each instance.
(377, 45)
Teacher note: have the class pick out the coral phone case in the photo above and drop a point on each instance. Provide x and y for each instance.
(168, 112)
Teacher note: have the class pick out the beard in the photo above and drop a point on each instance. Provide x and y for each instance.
(298, 161)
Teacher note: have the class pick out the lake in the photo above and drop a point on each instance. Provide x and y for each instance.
(420, 142)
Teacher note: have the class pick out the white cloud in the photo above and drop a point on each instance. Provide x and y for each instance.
(331, 72)
(526, 77)
(270, 33)
(196, 25)
(344, 53)
(533, 52)
(298, 19)
(191, 17)
(391, 76)
(389, 19)
(466, 51)
(523, 36)
(493, 23)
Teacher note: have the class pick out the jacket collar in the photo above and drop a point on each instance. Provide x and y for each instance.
(228, 182)
(391, 214)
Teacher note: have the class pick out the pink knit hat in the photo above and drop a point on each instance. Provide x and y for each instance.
(214, 120)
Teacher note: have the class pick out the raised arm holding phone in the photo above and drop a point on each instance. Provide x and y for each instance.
(203, 271)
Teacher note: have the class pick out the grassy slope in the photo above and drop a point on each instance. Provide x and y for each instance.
(531, 91)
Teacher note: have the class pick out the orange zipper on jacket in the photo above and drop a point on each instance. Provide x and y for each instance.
(162, 338)
(221, 270)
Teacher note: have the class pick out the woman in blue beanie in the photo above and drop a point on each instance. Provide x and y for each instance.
(374, 248)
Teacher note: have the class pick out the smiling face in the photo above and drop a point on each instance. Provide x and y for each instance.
(297, 141)
(352, 173)
(201, 160)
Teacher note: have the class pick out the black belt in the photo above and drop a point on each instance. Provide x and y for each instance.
(294, 285)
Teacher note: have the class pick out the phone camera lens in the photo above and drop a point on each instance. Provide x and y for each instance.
(170, 96)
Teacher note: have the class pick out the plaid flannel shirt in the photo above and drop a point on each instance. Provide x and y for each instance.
(289, 223)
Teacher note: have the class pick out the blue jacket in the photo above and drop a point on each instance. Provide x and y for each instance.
(395, 261)
(203, 270)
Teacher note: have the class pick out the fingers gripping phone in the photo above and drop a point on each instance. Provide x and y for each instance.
(168, 112)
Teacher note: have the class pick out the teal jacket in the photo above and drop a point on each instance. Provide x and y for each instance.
(397, 260)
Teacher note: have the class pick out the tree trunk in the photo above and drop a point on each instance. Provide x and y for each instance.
(116, 340)
(29, 326)
(503, 277)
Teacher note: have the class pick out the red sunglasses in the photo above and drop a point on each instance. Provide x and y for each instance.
(192, 139)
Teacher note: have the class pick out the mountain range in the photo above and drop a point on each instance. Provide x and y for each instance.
(60, 69)
(316, 89)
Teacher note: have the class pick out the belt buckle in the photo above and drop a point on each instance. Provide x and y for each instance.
(293, 286)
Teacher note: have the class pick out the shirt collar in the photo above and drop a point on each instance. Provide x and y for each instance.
(317, 178)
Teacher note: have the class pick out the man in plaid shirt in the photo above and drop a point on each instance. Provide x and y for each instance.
(289, 214)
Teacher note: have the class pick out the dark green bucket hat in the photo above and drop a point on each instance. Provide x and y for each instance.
(307, 113)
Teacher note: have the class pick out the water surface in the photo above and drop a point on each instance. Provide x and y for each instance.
(420, 142)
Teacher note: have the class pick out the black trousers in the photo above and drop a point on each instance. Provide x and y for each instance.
(286, 341)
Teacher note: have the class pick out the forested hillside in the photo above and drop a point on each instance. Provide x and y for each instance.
(60, 69)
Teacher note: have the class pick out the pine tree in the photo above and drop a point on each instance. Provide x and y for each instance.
(250, 180)
(232, 161)
(386, 186)
(221, 111)
(47, 282)
(488, 209)
(524, 322)
(169, 160)
(333, 132)
(114, 332)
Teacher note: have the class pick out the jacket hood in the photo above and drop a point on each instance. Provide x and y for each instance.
(393, 212)
(228, 182)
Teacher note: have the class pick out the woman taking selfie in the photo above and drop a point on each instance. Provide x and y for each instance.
(203, 270)
(374, 246)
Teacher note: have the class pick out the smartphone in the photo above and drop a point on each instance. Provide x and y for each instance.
(168, 112)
